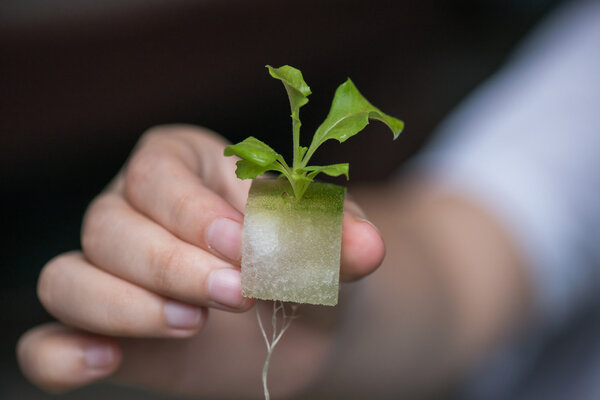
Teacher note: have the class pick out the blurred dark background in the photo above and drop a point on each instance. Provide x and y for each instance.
(80, 81)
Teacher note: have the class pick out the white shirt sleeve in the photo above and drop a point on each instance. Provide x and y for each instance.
(527, 147)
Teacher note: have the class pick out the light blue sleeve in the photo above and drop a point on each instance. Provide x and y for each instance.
(527, 146)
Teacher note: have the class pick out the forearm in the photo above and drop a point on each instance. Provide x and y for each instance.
(452, 285)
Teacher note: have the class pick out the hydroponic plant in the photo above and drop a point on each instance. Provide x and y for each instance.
(291, 240)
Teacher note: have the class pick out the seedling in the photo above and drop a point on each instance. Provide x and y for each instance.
(292, 231)
(349, 114)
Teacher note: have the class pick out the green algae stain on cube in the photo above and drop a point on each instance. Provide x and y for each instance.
(290, 247)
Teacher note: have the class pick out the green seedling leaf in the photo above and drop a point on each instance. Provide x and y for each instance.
(248, 170)
(302, 151)
(331, 170)
(350, 112)
(254, 151)
(297, 90)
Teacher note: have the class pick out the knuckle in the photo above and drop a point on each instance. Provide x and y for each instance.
(95, 220)
(160, 137)
(181, 213)
(89, 226)
(179, 131)
(139, 169)
(144, 167)
(156, 136)
(122, 317)
(166, 263)
(47, 280)
(158, 131)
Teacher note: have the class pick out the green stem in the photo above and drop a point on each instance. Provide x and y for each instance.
(307, 156)
(287, 171)
(296, 135)
(302, 189)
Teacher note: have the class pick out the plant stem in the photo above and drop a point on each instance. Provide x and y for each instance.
(296, 136)
(289, 174)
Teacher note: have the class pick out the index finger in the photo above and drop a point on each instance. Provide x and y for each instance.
(172, 178)
(181, 180)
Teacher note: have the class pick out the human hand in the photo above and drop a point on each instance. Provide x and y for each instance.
(160, 246)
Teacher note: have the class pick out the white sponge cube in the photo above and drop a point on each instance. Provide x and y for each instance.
(290, 247)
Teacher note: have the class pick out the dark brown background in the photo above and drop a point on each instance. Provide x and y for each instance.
(78, 86)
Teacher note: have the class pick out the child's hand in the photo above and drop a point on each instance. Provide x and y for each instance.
(161, 245)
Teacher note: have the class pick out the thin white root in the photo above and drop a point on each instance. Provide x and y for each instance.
(278, 308)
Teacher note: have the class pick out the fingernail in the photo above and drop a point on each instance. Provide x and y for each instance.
(182, 316)
(225, 287)
(99, 356)
(357, 213)
(353, 209)
(224, 235)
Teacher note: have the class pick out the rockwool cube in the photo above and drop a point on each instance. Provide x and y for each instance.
(291, 247)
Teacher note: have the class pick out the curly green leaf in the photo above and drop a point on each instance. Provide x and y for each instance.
(349, 114)
(297, 90)
(253, 150)
(331, 170)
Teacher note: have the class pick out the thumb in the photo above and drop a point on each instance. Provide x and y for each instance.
(362, 245)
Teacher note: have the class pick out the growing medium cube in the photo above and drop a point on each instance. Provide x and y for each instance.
(290, 247)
